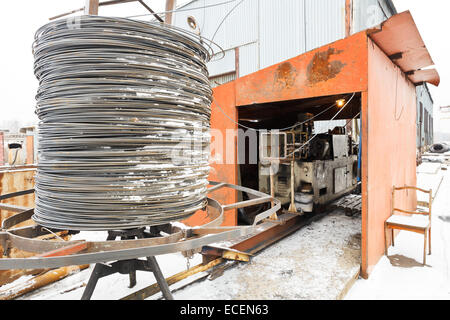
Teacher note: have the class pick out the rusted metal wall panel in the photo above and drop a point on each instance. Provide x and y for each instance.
(30, 149)
(391, 152)
(337, 68)
(13, 180)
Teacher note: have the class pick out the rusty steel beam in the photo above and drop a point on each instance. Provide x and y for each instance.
(348, 17)
(247, 203)
(170, 6)
(74, 248)
(12, 208)
(91, 7)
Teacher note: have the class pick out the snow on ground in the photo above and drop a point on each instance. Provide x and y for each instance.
(112, 287)
(401, 275)
(316, 262)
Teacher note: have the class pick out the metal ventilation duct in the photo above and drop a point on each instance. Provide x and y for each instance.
(124, 109)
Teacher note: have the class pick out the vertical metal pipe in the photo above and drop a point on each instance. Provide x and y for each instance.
(170, 5)
(91, 7)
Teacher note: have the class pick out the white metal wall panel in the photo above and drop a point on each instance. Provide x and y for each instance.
(248, 59)
(239, 27)
(222, 63)
(368, 13)
(218, 80)
(325, 22)
(277, 29)
(281, 30)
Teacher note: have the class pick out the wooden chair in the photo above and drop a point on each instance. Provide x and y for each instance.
(416, 221)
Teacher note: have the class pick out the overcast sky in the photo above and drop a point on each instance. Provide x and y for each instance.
(20, 19)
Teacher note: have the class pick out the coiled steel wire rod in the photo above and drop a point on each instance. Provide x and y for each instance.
(124, 109)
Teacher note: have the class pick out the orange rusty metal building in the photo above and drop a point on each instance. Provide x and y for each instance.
(381, 66)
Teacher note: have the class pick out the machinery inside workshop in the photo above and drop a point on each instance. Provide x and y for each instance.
(308, 152)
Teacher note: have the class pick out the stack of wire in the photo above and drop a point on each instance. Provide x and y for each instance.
(124, 109)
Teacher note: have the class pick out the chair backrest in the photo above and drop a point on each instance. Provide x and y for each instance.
(419, 203)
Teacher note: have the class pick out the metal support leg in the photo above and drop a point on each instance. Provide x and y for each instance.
(160, 278)
(132, 276)
(95, 275)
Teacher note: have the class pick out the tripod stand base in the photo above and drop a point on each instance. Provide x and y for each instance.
(127, 267)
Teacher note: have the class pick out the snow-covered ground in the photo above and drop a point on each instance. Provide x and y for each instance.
(401, 275)
(316, 262)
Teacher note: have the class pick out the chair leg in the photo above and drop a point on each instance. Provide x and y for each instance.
(392, 236)
(424, 247)
(385, 240)
(429, 241)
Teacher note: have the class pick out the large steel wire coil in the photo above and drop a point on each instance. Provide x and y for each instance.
(124, 109)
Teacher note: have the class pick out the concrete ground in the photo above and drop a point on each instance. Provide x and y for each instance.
(401, 275)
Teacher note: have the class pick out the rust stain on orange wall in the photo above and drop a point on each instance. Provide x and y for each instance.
(337, 68)
(321, 68)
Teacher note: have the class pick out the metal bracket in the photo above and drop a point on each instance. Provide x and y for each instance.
(104, 251)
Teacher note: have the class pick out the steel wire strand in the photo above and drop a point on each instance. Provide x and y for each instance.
(124, 109)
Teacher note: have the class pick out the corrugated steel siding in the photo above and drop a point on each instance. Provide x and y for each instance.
(282, 30)
(218, 80)
(248, 59)
(239, 28)
(424, 125)
(369, 13)
(279, 29)
(325, 22)
(222, 63)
